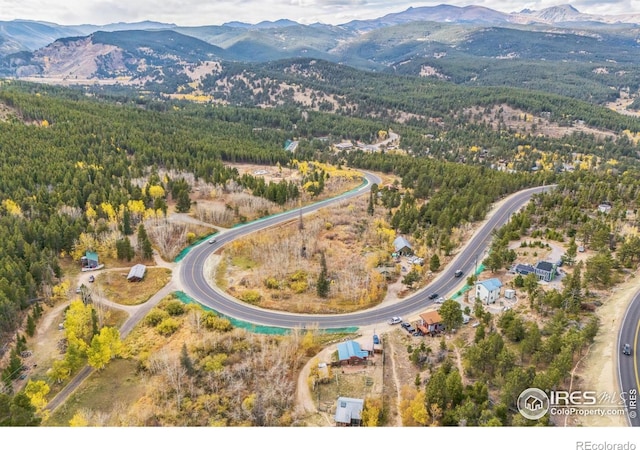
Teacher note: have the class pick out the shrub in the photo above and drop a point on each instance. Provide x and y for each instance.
(212, 322)
(174, 308)
(299, 275)
(155, 316)
(299, 286)
(272, 283)
(214, 363)
(168, 326)
(250, 296)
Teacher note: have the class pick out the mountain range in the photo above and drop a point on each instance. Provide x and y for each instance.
(465, 45)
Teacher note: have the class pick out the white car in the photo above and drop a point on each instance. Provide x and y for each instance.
(440, 300)
(395, 320)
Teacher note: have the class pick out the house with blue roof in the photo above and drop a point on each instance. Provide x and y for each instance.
(350, 352)
(488, 291)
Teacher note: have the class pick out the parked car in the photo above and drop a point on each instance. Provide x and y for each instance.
(440, 300)
(394, 320)
(92, 279)
(418, 333)
(433, 296)
(458, 273)
(376, 339)
(626, 349)
(405, 325)
(410, 329)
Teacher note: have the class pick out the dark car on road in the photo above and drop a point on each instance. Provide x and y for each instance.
(433, 296)
(626, 349)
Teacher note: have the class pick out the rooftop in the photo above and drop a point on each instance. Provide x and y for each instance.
(491, 284)
(545, 266)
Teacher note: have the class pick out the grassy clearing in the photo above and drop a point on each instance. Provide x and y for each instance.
(115, 387)
(243, 262)
(119, 290)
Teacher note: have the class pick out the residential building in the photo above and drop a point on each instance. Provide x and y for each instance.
(344, 146)
(349, 412)
(430, 323)
(488, 291)
(545, 271)
(402, 246)
(524, 269)
(349, 352)
(89, 260)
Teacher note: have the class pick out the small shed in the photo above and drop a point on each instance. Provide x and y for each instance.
(349, 412)
(89, 260)
(136, 273)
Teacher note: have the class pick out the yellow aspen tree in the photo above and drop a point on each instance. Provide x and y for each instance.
(78, 322)
(59, 291)
(137, 208)
(156, 191)
(37, 392)
(79, 420)
(110, 212)
(371, 412)
(419, 411)
(12, 207)
(90, 212)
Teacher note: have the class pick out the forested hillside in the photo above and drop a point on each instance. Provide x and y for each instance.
(65, 154)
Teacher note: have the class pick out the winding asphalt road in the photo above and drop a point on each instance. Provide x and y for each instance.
(628, 364)
(197, 286)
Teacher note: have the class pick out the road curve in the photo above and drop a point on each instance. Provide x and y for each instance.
(195, 282)
(628, 378)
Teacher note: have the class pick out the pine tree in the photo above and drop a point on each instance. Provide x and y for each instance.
(185, 360)
(434, 263)
(183, 202)
(144, 243)
(31, 326)
(126, 223)
(370, 207)
(323, 283)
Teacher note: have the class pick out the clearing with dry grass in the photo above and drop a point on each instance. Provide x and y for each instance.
(114, 285)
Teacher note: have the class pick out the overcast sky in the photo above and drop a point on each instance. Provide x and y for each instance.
(217, 12)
